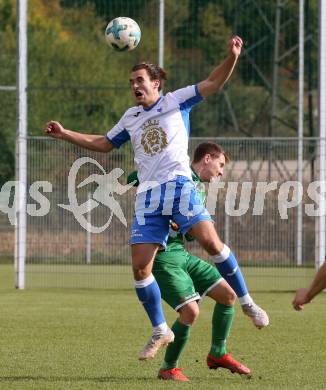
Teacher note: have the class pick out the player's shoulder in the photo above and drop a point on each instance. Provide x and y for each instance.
(183, 93)
(185, 89)
(132, 112)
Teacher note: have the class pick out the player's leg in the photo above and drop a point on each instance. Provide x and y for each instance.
(178, 291)
(222, 320)
(222, 317)
(146, 286)
(200, 227)
(205, 233)
(146, 238)
(170, 370)
(208, 281)
(227, 265)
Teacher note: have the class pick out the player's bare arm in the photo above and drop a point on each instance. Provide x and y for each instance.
(97, 143)
(305, 295)
(222, 73)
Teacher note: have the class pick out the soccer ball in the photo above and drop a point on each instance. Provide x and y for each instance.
(122, 34)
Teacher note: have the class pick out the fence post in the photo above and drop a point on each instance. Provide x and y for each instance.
(300, 127)
(88, 232)
(161, 34)
(321, 163)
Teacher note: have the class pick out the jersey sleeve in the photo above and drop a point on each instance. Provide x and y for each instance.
(118, 135)
(187, 97)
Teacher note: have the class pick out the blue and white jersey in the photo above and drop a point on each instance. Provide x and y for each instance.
(159, 135)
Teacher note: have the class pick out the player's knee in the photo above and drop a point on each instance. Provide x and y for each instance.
(141, 270)
(141, 273)
(189, 313)
(229, 297)
(212, 247)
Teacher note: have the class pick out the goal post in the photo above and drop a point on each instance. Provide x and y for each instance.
(321, 161)
(21, 144)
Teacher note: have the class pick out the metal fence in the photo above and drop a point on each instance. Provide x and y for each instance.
(74, 77)
(60, 252)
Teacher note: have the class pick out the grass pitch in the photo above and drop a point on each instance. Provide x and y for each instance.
(89, 339)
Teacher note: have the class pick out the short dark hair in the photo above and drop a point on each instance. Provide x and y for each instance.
(211, 148)
(154, 71)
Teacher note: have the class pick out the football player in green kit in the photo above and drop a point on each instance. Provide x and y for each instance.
(184, 281)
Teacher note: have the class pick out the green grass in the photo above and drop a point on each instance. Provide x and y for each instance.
(89, 339)
(120, 276)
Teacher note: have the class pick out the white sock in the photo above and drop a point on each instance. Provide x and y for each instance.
(246, 300)
(223, 255)
(145, 282)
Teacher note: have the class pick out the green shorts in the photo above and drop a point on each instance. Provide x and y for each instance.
(183, 278)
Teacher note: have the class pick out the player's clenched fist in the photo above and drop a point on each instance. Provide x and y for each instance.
(54, 129)
(235, 45)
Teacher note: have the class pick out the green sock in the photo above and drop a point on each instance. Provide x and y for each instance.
(173, 350)
(221, 326)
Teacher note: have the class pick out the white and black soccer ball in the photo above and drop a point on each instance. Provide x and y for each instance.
(122, 34)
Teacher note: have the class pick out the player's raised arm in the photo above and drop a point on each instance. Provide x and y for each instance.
(98, 143)
(221, 73)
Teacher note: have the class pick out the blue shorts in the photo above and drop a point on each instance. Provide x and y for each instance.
(175, 200)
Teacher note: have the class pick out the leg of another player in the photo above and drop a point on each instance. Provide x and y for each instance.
(181, 328)
(227, 265)
(149, 295)
(222, 320)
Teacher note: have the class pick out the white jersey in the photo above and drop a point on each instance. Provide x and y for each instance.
(159, 135)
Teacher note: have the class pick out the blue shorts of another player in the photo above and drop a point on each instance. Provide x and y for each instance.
(177, 200)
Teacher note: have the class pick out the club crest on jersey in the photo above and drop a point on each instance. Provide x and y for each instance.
(154, 138)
